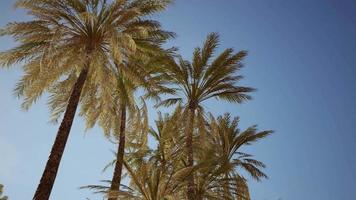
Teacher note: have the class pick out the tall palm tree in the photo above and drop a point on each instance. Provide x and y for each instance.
(221, 158)
(136, 128)
(72, 43)
(138, 72)
(1, 191)
(202, 79)
(150, 80)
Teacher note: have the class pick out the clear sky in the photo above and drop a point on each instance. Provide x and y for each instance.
(302, 60)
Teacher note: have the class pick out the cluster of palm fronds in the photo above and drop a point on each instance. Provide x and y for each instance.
(99, 55)
(1, 191)
(160, 172)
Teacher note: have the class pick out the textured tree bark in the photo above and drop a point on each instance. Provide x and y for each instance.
(189, 146)
(45, 186)
(116, 180)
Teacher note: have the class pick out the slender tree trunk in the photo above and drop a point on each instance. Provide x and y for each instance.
(49, 175)
(189, 146)
(116, 180)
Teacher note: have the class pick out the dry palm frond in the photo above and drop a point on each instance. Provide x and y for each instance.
(221, 162)
(64, 35)
(1, 192)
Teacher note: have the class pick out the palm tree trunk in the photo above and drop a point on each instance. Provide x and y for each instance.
(49, 175)
(189, 147)
(116, 180)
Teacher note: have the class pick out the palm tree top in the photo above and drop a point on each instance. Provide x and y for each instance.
(207, 75)
(62, 34)
(221, 159)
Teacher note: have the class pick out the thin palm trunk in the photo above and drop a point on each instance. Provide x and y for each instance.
(189, 146)
(116, 180)
(45, 186)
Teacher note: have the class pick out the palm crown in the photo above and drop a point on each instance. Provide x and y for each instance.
(67, 35)
(221, 158)
(205, 77)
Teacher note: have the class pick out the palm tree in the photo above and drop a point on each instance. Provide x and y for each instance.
(138, 72)
(1, 191)
(136, 128)
(154, 173)
(218, 177)
(202, 79)
(148, 79)
(71, 43)
(159, 173)
(149, 180)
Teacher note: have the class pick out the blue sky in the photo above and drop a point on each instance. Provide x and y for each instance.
(302, 61)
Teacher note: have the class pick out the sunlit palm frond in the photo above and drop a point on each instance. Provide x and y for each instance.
(1, 192)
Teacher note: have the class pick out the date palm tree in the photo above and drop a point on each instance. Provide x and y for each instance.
(204, 78)
(221, 158)
(138, 72)
(72, 43)
(154, 173)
